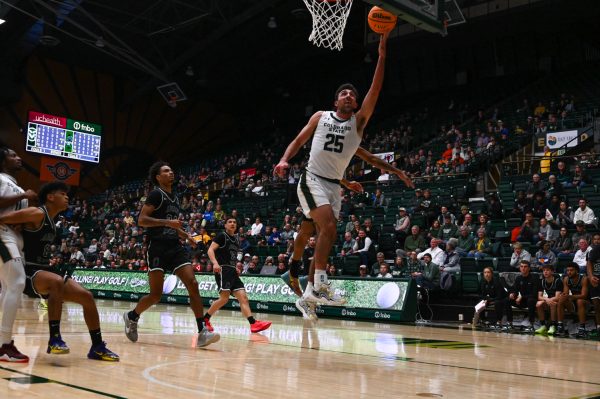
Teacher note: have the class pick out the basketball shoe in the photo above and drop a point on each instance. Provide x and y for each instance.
(207, 324)
(307, 309)
(101, 352)
(56, 346)
(130, 328)
(206, 338)
(10, 353)
(324, 295)
(259, 326)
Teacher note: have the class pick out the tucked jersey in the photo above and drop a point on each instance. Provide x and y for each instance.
(166, 206)
(334, 143)
(9, 187)
(594, 257)
(38, 241)
(229, 248)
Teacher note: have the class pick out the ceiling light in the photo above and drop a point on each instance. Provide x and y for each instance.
(272, 24)
(100, 42)
(2, 21)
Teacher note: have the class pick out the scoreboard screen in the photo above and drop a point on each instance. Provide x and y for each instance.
(62, 137)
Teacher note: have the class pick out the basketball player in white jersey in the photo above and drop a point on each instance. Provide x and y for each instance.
(337, 136)
(12, 272)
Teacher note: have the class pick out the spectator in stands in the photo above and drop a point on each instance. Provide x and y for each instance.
(465, 243)
(378, 198)
(521, 205)
(580, 178)
(464, 211)
(371, 230)
(565, 215)
(545, 256)
(348, 245)
(580, 256)
(493, 207)
(331, 270)
(482, 246)
(452, 259)
(257, 228)
(275, 237)
(437, 254)
(585, 214)
(287, 233)
(484, 223)
(493, 293)
(435, 231)
(384, 272)
(445, 212)
(269, 267)
(363, 272)
(539, 110)
(413, 243)
(554, 187)
(364, 247)
(529, 229)
(429, 278)
(523, 294)
(448, 229)
(553, 208)
(563, 176)
(546, 232)
(351, 222)
(538, 205)
(580, 232)
(402, 225)
(378, 263)
(384, 177)
(468, 223)
(563, 246)
(252, 268)
(519, 254)
(399, 269)
(428, 207)
(536, 185)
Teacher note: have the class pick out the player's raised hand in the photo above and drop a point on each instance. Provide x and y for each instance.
(382, 43)
(281, 168)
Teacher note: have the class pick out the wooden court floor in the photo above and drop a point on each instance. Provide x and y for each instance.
(294, 359)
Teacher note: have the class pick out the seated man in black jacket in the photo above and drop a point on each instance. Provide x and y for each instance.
(524, 295)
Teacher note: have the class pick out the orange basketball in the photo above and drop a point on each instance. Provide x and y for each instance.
(380, 20)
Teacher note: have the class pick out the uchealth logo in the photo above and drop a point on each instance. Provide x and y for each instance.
(388, 295)
(169, 284)
(552, 140)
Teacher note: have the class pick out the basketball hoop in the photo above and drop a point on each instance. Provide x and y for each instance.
(328, 22)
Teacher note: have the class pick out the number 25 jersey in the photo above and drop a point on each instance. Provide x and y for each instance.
(333, 145)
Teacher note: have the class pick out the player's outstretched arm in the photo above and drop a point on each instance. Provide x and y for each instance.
(368, 104)
(381, 164)
(293, 148)
(29, 217)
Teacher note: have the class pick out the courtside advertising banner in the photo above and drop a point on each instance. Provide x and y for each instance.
(386, 156)
(360, 293)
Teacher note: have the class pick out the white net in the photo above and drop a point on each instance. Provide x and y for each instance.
(328, 22)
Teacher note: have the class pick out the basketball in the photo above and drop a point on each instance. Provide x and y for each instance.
(380, 20)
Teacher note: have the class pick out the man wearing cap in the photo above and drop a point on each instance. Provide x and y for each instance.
(246, 262)
(416, 201)
(549, 293)
(584, 213)
(402, 225)
(449, 229)
(464, 210)
(580, 232)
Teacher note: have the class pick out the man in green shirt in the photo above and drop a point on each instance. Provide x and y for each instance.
(413, 243)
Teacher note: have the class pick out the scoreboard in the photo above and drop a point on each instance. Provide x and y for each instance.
(62, 137)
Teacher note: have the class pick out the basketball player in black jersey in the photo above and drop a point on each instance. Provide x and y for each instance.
(39, 233)
(224, 252)
(574, 298)
(593, 274)
(160, 216)
(550, 291)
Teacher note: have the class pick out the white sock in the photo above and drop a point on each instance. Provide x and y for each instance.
(309, 289)
(13, 281)
(320, 278)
